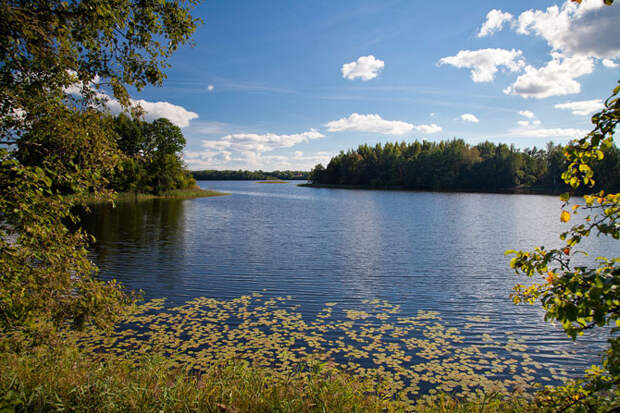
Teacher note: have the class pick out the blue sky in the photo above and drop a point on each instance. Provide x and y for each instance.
(288, 84)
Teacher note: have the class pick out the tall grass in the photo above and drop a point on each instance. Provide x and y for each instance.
(69, 380)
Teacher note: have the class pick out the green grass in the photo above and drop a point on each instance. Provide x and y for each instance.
(51, 380)
(194, 192)
(67, 379)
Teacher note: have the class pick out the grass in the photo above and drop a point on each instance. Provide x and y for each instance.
(194, 192)
(66, 379)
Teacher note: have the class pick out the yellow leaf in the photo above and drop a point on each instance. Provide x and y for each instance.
(565, 216)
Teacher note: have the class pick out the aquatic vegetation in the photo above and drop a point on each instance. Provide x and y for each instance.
(402, 357)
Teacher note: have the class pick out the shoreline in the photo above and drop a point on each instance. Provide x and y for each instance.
(506, 191)
(188, 193)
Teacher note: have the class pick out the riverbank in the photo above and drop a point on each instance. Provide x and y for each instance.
(515, 190)
(188, 193)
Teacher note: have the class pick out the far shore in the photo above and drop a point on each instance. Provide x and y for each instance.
(272, 182)
(516, 190)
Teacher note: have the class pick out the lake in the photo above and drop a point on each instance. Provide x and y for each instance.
(441, 252)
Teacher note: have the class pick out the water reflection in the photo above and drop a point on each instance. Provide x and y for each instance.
(138, 239)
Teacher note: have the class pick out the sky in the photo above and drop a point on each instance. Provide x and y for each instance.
(289, 84)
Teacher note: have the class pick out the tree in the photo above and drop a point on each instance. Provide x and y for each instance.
(59, 64)
(582, 297)
(151, 160)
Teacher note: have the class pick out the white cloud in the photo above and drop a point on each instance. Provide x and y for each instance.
(468, 117)
(576, 34)
(375, 124)
(485, 63)
(569, 133)
(556, 78)
(155, 110)
(174, 113)
(210, 88)
(494, 23)
(253, 161)
(527, 114)
(365, 68)
(432, 128)
(583, 107)
(369, 123)
(152, 110)
(253, 142)
(586, 29)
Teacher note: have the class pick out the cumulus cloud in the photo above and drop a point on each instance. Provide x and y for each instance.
(369, 123)
(468, 117)
(577, 33)
(254, 142)
(155, 110)
(432, 128)
(376, 124)
(527, 114)
(298, 160)
(582, 107)
(584, 29)
(556, 78)
(494, 23)
(485, 63)
(176, 114)
(210, 88)
(365, 68)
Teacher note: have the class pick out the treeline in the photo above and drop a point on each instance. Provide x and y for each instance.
(457, 166)
(151, 156)
(213, 175)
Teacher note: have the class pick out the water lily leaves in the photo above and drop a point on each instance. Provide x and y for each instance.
(407, 356)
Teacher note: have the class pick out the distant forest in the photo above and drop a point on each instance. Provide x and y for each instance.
(457, 166)
(213, 175)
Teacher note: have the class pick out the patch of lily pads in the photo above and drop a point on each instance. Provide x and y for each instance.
(401, 356)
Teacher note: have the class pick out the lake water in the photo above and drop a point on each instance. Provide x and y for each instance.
(439, 252)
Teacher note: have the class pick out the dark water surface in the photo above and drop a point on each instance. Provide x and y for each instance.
(423, 251)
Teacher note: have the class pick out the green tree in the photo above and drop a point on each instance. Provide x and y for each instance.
(578, 296)
(58, 62)
(151, 156)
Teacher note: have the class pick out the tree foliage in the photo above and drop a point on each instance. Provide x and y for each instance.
(455, 165)
(582, 297)
(58, 63)
(152, 156)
